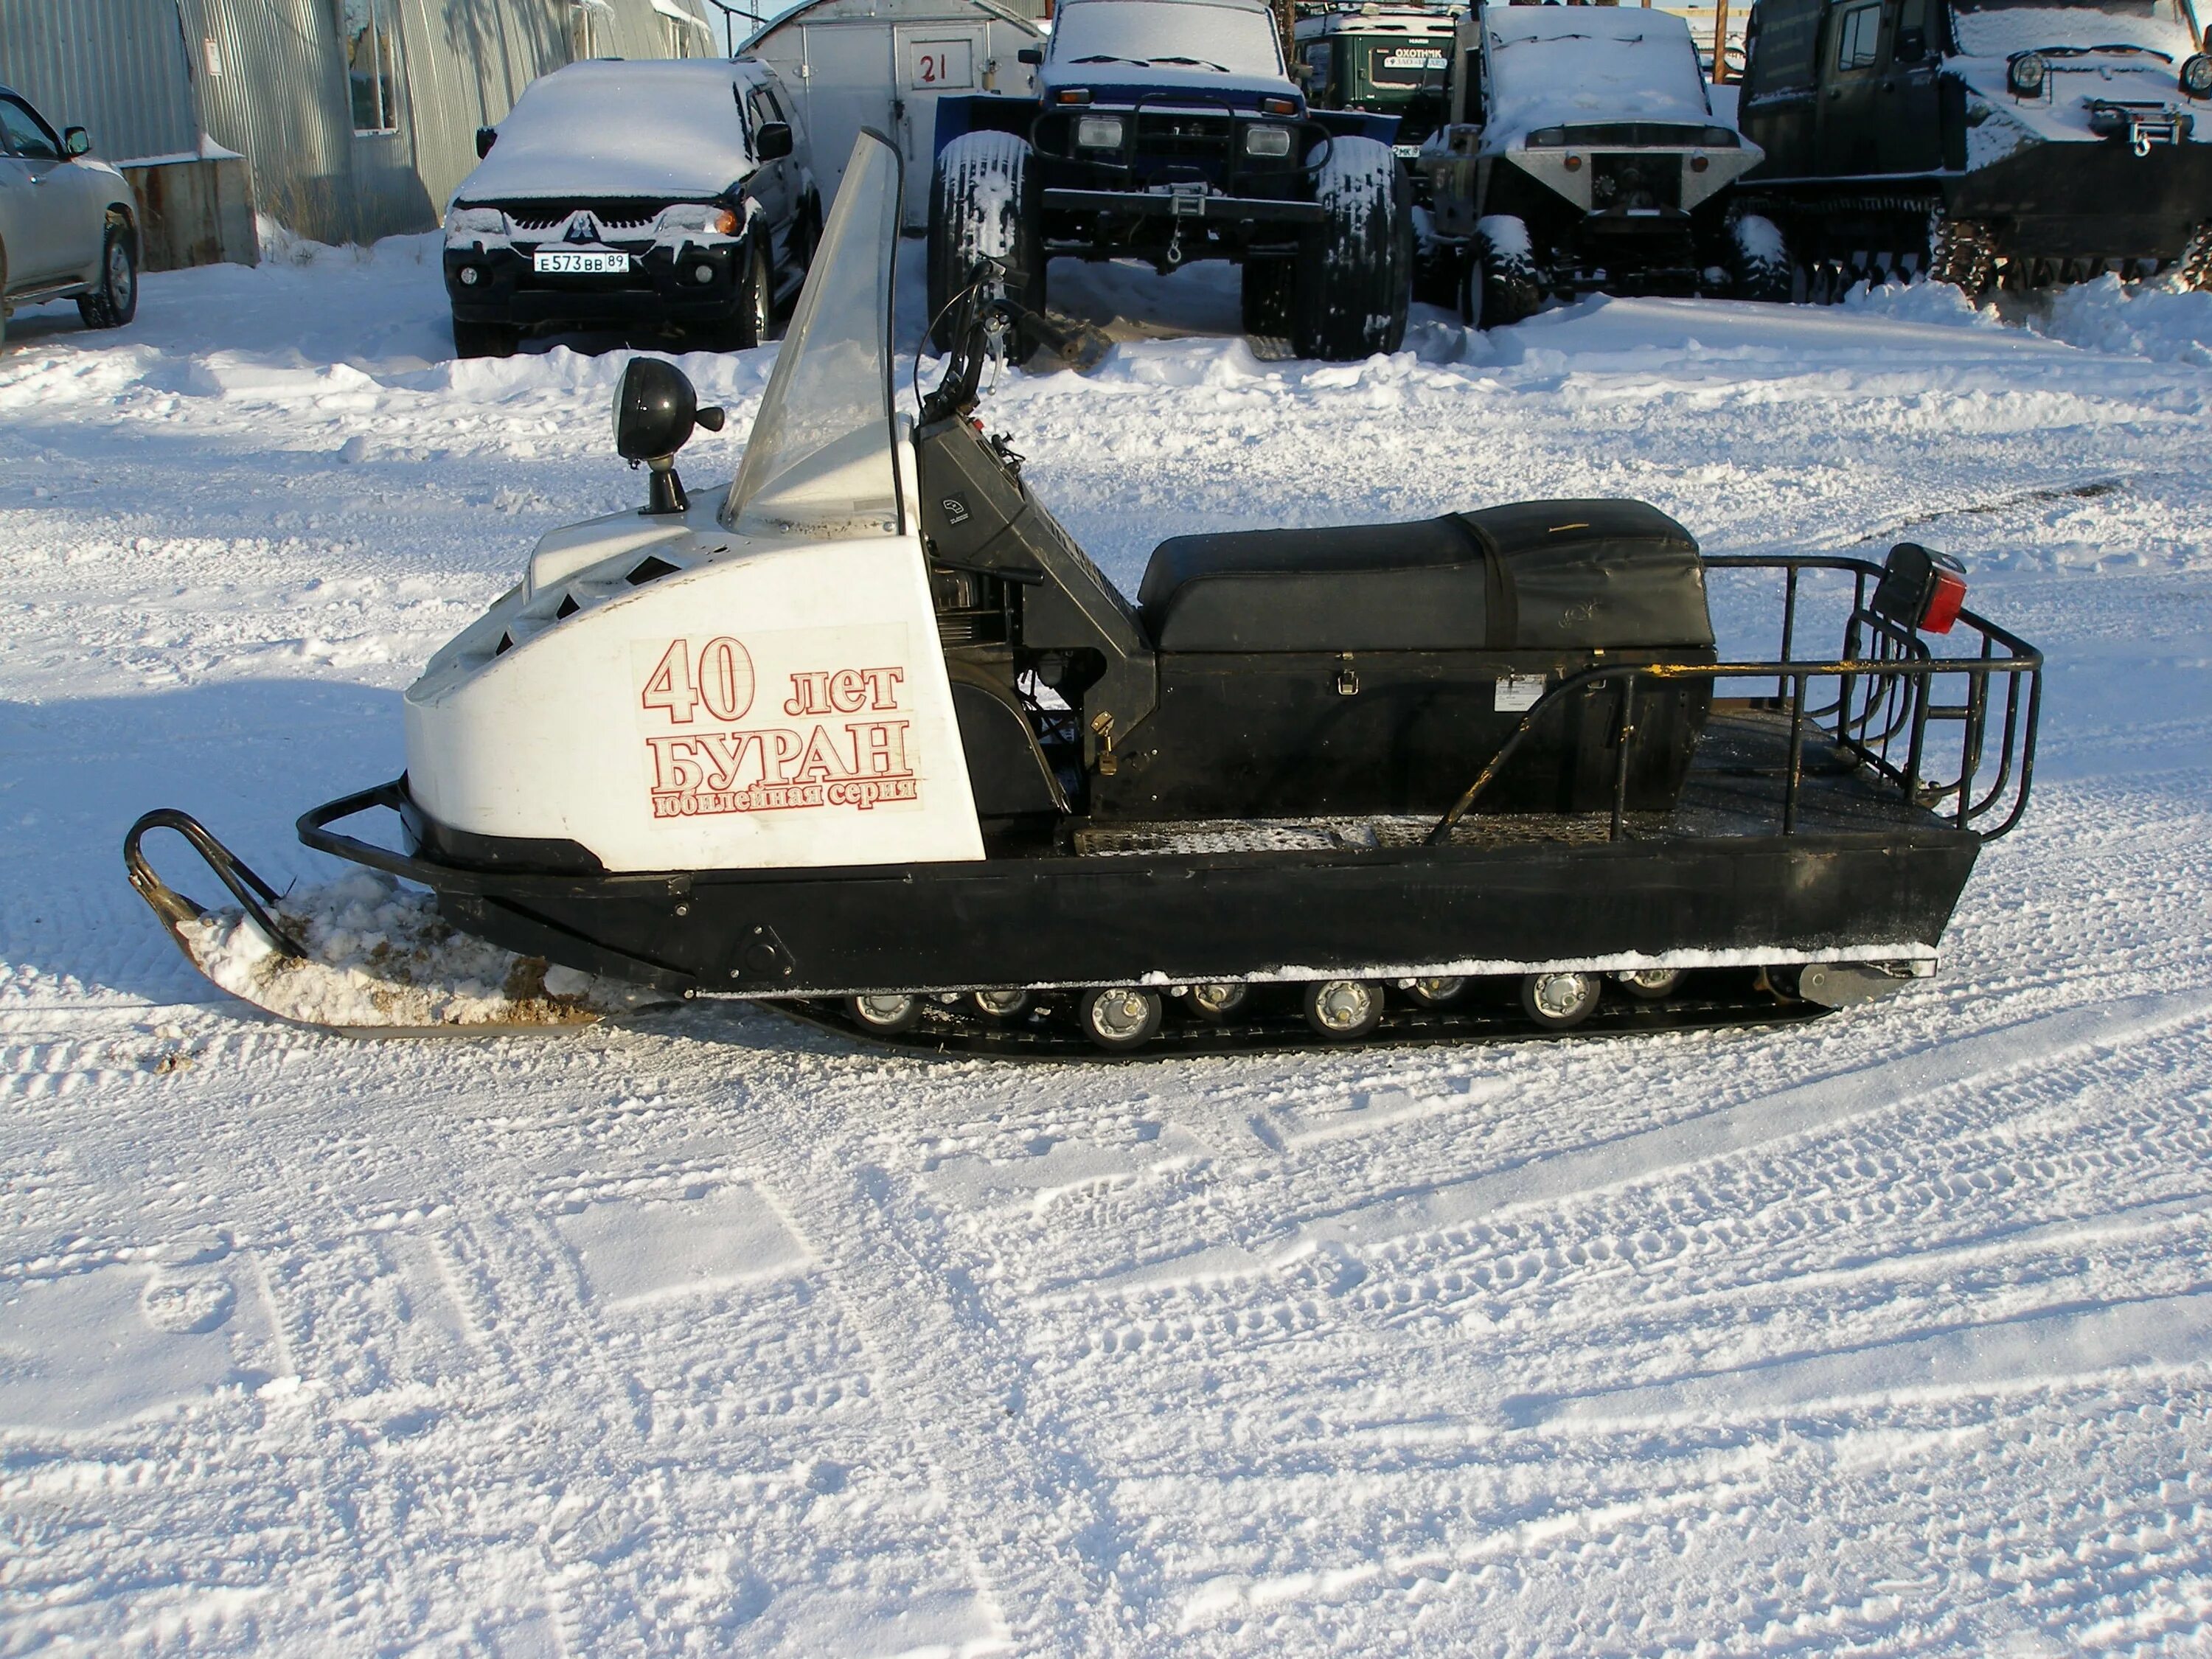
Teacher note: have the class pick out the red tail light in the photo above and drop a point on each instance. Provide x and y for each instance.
(1920, 588)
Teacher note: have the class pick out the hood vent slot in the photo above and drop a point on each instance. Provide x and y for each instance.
(649, 570)
(568, 607)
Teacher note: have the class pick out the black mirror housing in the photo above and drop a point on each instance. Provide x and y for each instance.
(773, 141)
(1029, 55)
(486, 137)
(76, 141)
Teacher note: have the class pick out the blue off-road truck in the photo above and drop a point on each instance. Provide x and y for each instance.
(1170, 130)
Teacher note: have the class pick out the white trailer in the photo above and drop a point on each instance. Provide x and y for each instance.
(883, 64)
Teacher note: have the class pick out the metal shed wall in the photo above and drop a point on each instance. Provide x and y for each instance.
(116, 68)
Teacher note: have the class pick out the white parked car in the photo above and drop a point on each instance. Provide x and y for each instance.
(68, 222)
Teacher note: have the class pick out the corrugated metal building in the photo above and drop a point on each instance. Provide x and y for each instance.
(357, 117)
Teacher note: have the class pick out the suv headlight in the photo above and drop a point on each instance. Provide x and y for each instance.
(1266, 141)
(698, 215)
(2025, 74)
(475, 222)
(1099, 132)
(2196, 76)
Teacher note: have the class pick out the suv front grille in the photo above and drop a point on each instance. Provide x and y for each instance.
(1633, 181)
(1183, 138)
(614, 214)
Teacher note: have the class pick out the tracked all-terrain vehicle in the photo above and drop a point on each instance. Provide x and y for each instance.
(1982, 143)
(1582, 153)
(1170, 132)
(868, 737)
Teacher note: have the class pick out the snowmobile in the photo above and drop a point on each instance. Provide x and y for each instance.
(1981, 142)
(868, 737)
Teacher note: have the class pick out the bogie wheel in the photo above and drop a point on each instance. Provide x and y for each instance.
(982, 205)
(484, 339)
(1506, 287)
(885, 1015)
(1218, 1001)
(1354, 275)
(1759, 266)
(1558, 1002)
(1343, 1009)
(1651, 984)
(1119, 1017)
(1434, 993)
(1004, 1005)
(113, 300)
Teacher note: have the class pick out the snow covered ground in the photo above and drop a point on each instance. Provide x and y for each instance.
(709, 1335)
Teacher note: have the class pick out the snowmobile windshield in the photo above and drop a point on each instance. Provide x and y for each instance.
(1999, 28)
(820, 459)
(1232, 39)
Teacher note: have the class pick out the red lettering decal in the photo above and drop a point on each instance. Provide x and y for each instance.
(670, 687)
(883, 686)
(809, 695)
(726, 679)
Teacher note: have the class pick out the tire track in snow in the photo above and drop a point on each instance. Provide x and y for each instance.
(2059, 1346)
(1646, 1155)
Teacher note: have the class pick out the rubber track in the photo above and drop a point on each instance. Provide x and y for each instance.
(953, 1031)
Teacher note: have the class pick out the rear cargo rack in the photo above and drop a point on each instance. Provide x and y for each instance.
(1914, 723)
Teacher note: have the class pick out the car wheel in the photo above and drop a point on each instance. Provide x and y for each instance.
(113, 300)
(484, 339)
(756, 298)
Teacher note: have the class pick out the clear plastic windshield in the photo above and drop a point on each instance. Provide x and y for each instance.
(819, 461)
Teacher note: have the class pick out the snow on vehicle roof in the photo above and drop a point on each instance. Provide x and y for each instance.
(2000, 30)
(1555, 65)
(1176, 37)
(610, 128)
(1990, 34)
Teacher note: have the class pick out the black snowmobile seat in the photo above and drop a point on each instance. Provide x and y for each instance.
(1537, 575)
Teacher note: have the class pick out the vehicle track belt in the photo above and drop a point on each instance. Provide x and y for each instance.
(955, 1031)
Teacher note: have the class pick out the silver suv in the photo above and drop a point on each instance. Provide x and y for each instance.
(68, 223)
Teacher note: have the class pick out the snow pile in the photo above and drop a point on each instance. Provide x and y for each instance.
(379, 954)
(1921, 302)
(2144, 319)
(1590, 64)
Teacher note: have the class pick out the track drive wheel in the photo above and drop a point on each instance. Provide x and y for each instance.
(1342, 1010)
(1218, 1001)
(983, 205)
(885, 1016)
(1433, 993)
(1119, 1017)
(1649, 984)
(1559, 1002)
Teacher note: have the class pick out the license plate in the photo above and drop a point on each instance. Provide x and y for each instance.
(560, 262)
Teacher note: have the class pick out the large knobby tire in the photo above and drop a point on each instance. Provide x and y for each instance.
(982, 205)
(1355, 275)
(1500, 285)
(1759, 266)
(113, 299)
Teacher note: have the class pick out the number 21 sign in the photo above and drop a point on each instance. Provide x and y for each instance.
(940, 65)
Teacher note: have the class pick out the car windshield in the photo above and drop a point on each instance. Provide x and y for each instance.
(1237, 39)
(820, 461)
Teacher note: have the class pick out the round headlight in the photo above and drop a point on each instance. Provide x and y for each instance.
(2025, 74)
(2196, 76)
